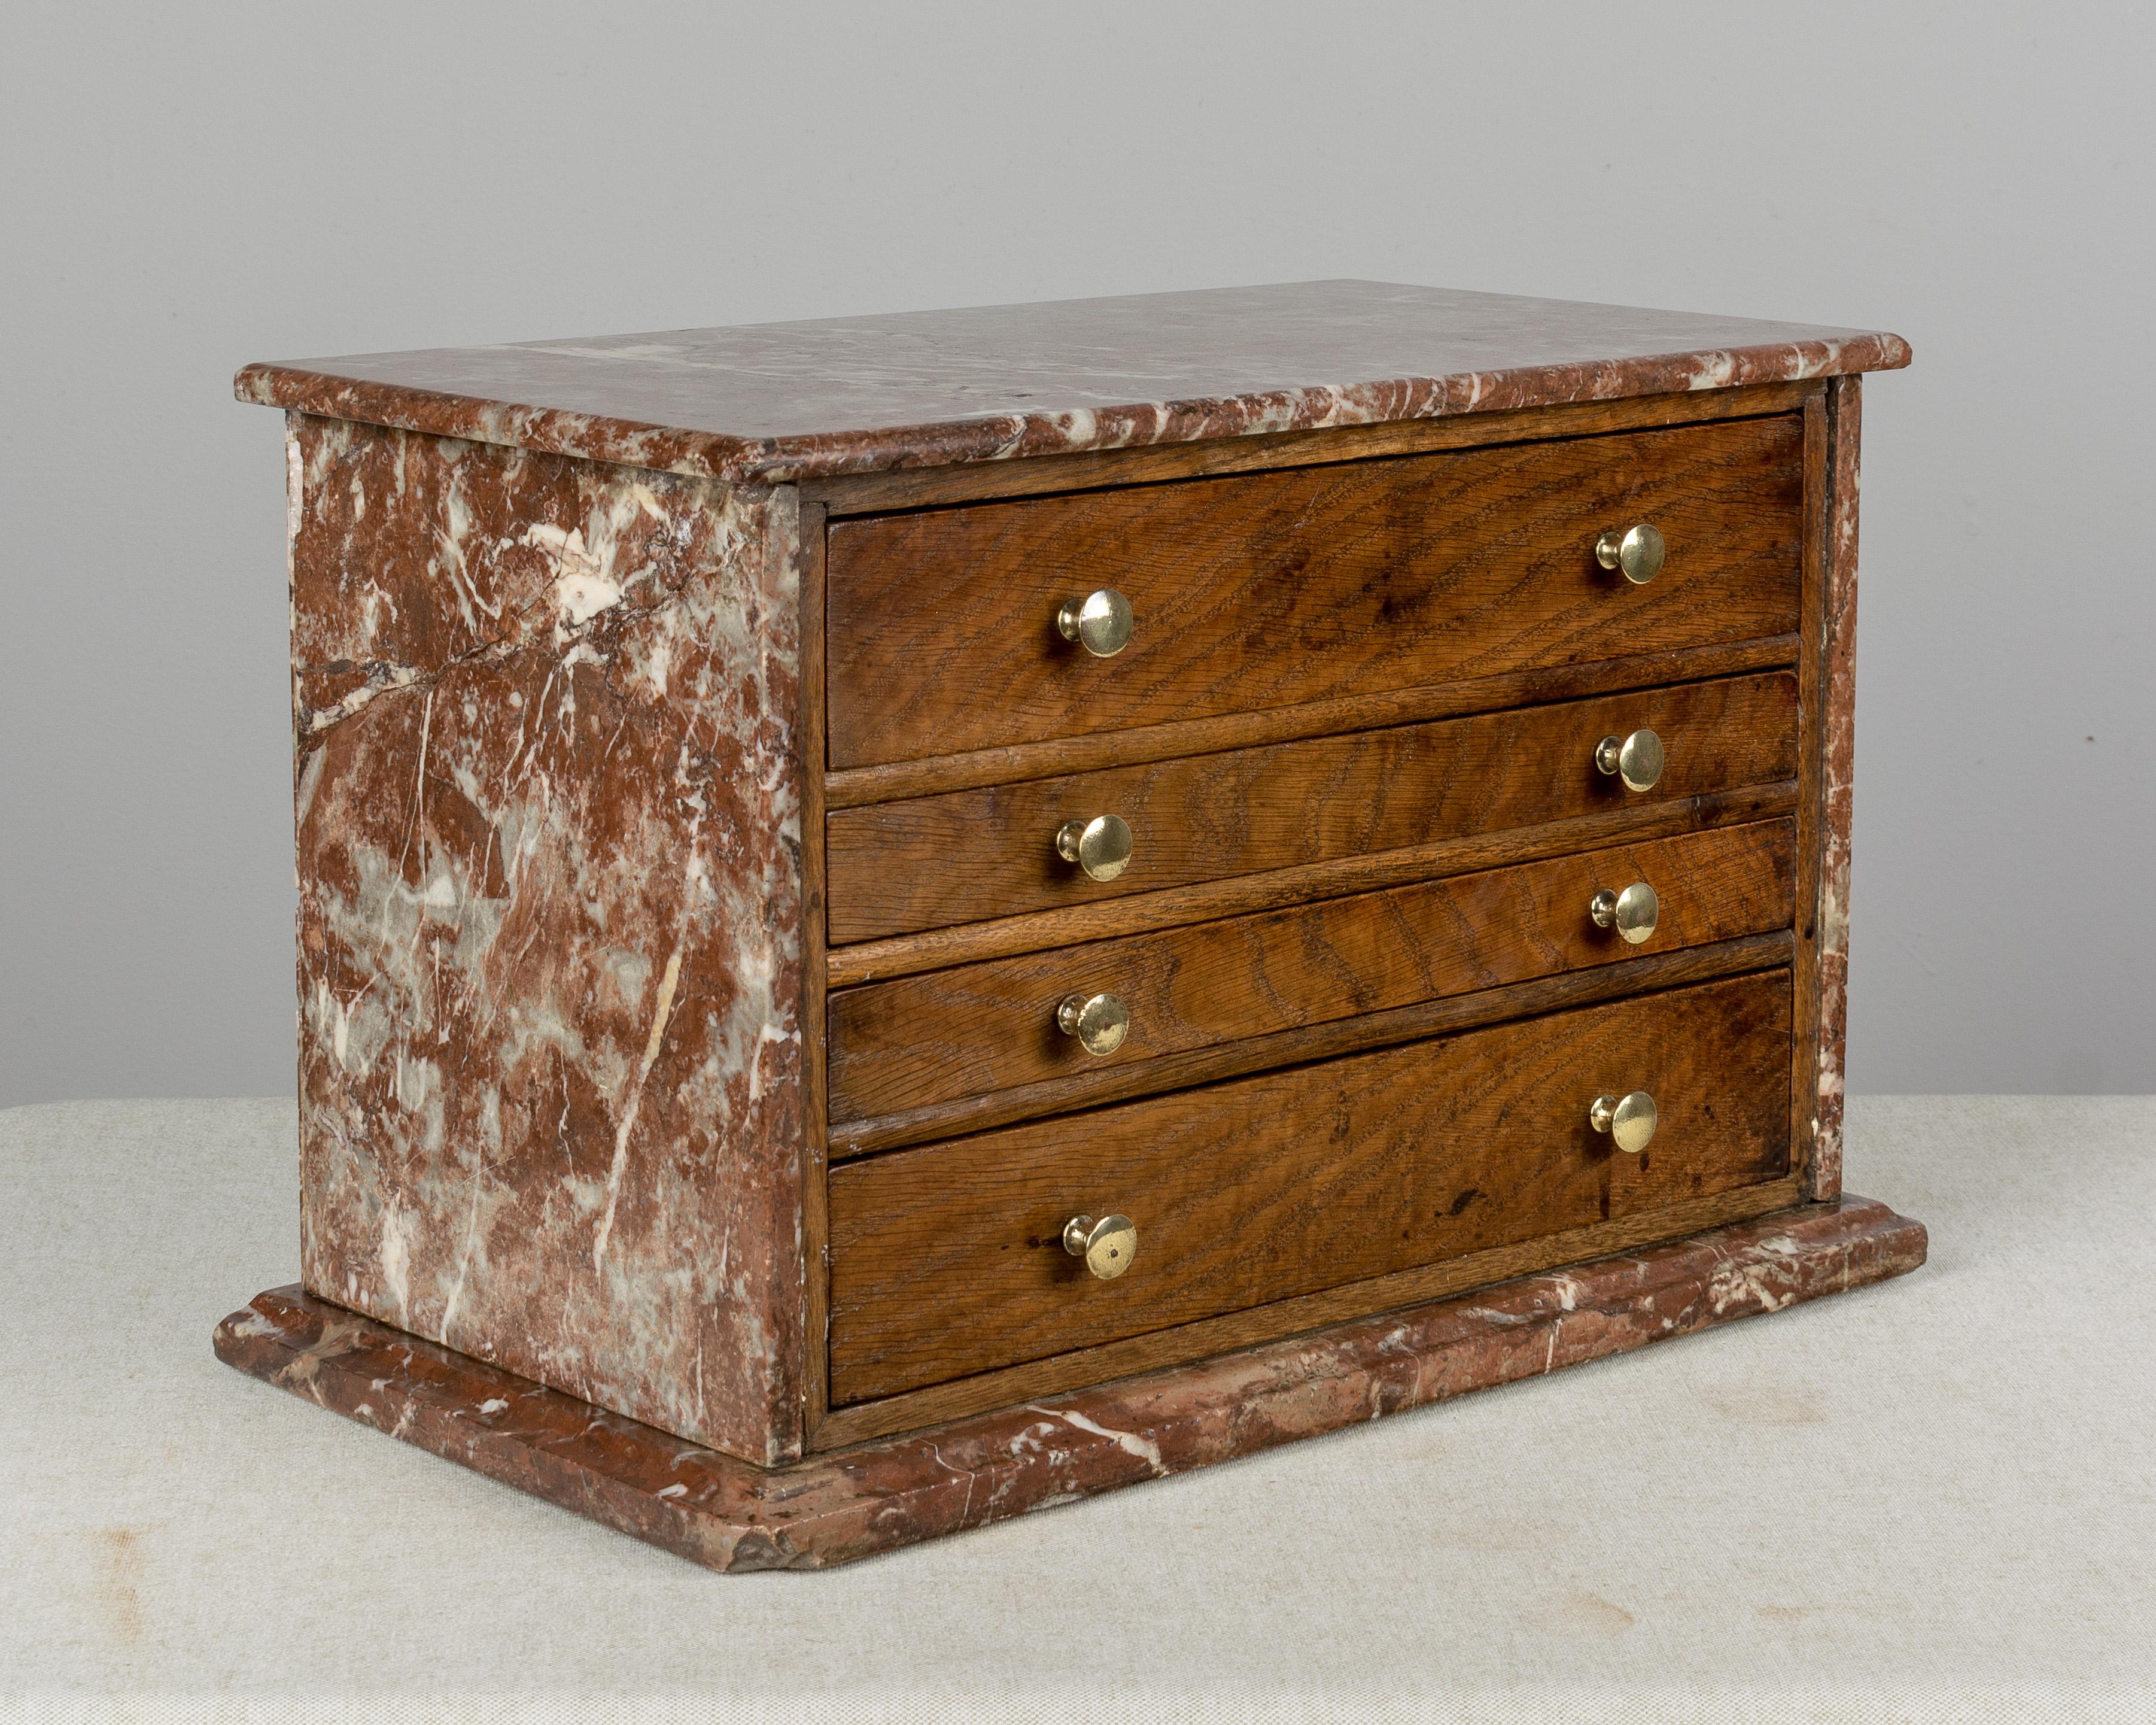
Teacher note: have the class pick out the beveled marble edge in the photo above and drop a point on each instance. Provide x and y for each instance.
(731, 1515)
(786, 460)
(781, 403)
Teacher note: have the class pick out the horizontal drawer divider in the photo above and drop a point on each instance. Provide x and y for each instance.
(972, 482)
(908, 955)
(1314, 1042)
(1285, 1319)
(854, 788)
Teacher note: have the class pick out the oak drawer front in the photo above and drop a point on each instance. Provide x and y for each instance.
(948, 1260)
(930, 862)
(981, 1028)
(1275, 588)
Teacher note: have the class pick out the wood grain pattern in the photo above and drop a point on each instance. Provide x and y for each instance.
(985, 1028)
(1286, 1319)
(1633, 820)
(897, 868)
(1374, 711)
(1113, 1081)
(946, 1260)
(815, 1067)
(925, 487)
(1279, 587)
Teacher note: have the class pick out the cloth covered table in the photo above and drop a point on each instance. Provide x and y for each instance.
(1933, 1499)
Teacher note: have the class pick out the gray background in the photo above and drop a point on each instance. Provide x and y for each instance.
(190, 189)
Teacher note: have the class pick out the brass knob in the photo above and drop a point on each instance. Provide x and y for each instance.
(1107, 1246)
(1635, 553)
(1629, 1121)
(1100, 1022)
(1099, 622)
(1101, 846)
(1633, 912)
(1636, 759)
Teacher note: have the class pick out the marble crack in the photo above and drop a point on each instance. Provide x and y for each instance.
(384, 676)
(664, 1010)
(387, 677)
(1129, 1442)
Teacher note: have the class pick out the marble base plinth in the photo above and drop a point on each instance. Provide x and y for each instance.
(730, 1514)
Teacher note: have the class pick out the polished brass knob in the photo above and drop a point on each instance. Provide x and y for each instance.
(1633, 912)
(1100, 1022)
(1636, 759)
(1099, 622)
(1635, 552)
(1629, 1121)
(1101, 846)
(1107, 1246)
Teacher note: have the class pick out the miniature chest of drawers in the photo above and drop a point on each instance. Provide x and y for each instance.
(905, 918)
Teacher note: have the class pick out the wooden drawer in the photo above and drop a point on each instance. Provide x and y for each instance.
(1270, 589)
(981, 1028)
(947, 1260)
(930, 862)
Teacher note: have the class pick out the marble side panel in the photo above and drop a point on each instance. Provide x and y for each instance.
(548, 800)
(776, 403)
(1837, 770)
(848, 1503)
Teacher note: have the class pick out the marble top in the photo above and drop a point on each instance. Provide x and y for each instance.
(779, 401)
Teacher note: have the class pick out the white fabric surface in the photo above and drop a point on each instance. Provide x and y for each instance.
(1933, 1499)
